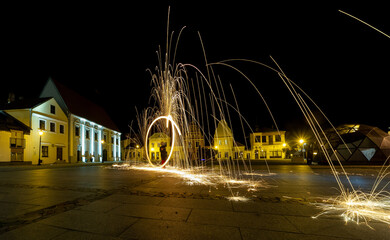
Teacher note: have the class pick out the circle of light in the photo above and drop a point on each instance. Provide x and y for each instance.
(169, 119)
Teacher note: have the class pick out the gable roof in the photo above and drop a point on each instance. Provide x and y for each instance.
(25, 103)
(8, 122)
(223, 130)
(73, 103)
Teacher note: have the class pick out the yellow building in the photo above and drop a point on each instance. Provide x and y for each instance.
(223, 141)
(194, 141)
(267, 144)
(48, 135)
(155, 142)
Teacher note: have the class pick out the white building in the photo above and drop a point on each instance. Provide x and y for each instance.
(24, 143)
(92, 135)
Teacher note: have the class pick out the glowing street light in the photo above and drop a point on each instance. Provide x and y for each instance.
(301, 141)
(40, 142)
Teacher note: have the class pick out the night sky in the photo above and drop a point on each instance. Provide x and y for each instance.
(102, 51)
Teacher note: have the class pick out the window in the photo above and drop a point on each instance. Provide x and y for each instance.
(52, 109)
(52, 127)
(248, 156)
(264, 139)
(157, 155)
(197, 144)
(96, 136)
(219, 142)
(105, 138)
(225, 141)
(226, 154)
(77, 131)
(87, 134)
(278, 138)
(271, 139)
(62, 129)
(42, 124)
(257, 138)
(275, 154)
(112, 140)
(45, 151)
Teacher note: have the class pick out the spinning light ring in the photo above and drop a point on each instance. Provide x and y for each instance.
(169, 119)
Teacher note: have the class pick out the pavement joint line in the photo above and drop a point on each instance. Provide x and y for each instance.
(138, 220)
(189, 214)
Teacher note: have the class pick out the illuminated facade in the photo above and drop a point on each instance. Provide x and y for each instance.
(92, 135)
(223, 141)
(267, 144)
(42, 115)
(194, 141)
(155, 142)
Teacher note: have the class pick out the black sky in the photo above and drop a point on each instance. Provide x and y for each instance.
(103, 50)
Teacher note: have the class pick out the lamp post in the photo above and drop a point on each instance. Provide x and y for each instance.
(40, 142)
(301, 141)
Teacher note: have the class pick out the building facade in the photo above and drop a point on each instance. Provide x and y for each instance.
(48, 136)
(92, 135)
(268, 144)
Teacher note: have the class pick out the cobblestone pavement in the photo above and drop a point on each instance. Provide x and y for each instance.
(98, 202)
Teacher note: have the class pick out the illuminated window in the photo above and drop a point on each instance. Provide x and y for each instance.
(52, 109)
(219, 142)
(225, 141)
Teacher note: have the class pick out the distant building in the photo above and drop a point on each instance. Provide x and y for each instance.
(13, 137)
(194, 141)
(155, 142)
(268, 144)
(92, 135)
(26, 119)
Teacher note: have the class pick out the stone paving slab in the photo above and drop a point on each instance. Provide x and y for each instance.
(125, 198)
(280, 208)
(242, 219)
(100, 206)
(336, 227)
(221, 205)
(156, 229)
(92, 222)
(150, 211)
(260, 234)
(33, 231)
(11, 210)
(76, 235)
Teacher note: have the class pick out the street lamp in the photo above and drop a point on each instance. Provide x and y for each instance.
(40, 142)
(301, 141)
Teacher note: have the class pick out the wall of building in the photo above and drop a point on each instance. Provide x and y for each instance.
(91, 142)
(5, 152)
(54, 140)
